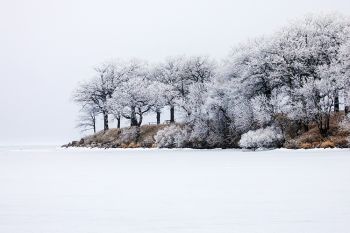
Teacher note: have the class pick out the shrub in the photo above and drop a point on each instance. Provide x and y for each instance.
(291, 144)
(268, 137)
(172, 137)
(129, 135)
(147, 142)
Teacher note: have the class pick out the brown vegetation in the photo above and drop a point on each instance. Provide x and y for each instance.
(131, 137)
(314, 139)
(143, 137)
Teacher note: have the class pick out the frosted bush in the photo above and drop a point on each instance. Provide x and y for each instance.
(130, 135)
(171, 137)
(268, 137)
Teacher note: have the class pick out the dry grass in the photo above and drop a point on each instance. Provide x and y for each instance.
(306, 146)
(327, 144)
(149, 131)
(340, 141)
(291, 144)
(110, 135)
(313, 138)
(112, 138)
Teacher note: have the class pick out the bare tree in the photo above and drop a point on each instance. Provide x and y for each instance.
(96, 92)
(87, 120)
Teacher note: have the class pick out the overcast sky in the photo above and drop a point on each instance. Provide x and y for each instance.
(47, 47)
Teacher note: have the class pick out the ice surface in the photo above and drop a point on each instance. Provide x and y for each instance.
(51, 190)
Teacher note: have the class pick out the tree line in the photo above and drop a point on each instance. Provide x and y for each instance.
(284, 82)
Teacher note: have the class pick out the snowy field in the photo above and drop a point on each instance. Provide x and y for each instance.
(53, 190)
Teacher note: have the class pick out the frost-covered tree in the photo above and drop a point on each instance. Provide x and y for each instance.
(115, 109)
(274, 72)
(308, 54)
(198, 69)
(217, 114)
(250, 66)
(133, 97)
(308, 45)
(230, 113)
(178, 74)
(321, 96)
(345, 70)
(169, 73)
(196, 73)
(158, 91)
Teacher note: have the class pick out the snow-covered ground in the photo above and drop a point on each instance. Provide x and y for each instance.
(51, 190)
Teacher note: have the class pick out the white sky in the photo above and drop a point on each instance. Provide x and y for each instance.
(47, 47)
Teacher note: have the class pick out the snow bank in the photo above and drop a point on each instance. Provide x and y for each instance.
(142, 191)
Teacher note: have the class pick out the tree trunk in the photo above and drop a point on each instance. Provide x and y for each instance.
(158, 117)
(105, 120)
(336, 102)
(140, 118)
(118, 122)
(94, 124)
(346, 110)
(133, 120)
(305, 127)
(172, 114)
(305, 122)
(324, 125)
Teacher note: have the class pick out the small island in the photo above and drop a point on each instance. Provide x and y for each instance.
(290, 89)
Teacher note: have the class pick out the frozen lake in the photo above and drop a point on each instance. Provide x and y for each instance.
(51, 190)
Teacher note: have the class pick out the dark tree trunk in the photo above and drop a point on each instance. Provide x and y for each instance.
(323, 125)
(346, 110)
(94, 125)
(172, 114)
(158, 117)
(305, 127)
(336, 102)
(105, 121)
(225, 122)
(133, 120)
(118, 122)
(305, 122)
